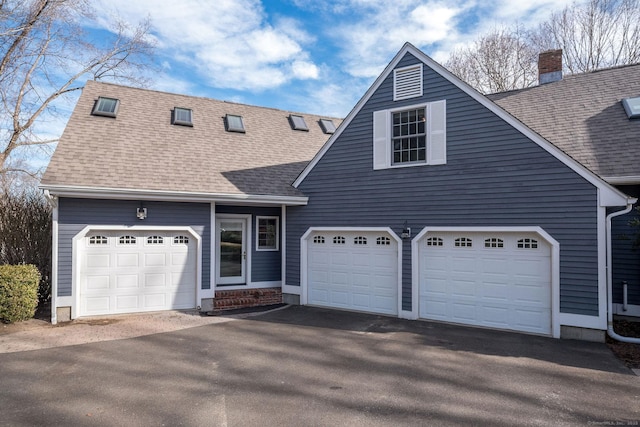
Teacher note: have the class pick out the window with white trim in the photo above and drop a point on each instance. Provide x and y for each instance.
(267, 233)
(410, 136)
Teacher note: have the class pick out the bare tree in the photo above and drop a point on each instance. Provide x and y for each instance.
(46, 54)
(598, 34)
(499, 61)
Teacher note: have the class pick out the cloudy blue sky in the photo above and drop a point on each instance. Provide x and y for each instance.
(315, 56)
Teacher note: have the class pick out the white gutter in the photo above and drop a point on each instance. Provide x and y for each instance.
(170, 196)
(610, 330)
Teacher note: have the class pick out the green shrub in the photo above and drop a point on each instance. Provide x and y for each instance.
(18, 292)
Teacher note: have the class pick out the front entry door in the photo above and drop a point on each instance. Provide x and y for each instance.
(232, 251)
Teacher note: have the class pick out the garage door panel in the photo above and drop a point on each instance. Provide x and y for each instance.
(120, 278)
(344, 274)
(500, 285)
(155, 260)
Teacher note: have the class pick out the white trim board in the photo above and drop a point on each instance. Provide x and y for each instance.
(610, 196)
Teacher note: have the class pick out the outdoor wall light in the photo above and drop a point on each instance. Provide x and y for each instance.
(406, 231)
(141, 213)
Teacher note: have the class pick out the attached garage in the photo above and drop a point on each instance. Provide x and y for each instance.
(351, 269)
(125, 271)
(491, 279)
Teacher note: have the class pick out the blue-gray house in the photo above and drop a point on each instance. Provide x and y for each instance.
(429, 201)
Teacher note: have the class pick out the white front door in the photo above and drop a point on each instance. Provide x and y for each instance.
(231, 237)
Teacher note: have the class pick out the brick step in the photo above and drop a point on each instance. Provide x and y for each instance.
(244, 298)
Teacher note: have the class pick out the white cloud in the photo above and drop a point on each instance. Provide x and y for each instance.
(229, 43)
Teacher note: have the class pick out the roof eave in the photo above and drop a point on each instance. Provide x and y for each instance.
(170, 196)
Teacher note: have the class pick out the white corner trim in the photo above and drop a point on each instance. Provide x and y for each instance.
(582, 321)
(602, 265)
(291, 289)
(214, 248)
(613, 196)
(54, 265)
(304, 250)
(75, 257)
(555, 264)
(283, 245)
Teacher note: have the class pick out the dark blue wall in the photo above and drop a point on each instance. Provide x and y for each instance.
(494, 176)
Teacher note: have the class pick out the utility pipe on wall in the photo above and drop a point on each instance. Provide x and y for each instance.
(610, 330)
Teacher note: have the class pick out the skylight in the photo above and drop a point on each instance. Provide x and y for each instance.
(182, 116)
(298, 123)
(632, 107)
(107, 107)
(234, 123)
(327, 126)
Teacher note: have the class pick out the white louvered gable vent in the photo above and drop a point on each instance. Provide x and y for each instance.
(407, 82)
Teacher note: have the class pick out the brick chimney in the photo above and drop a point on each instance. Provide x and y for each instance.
(550, 66)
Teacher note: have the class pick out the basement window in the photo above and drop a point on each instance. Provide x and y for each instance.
(107, 107)
(182, 116)
(327, 126)
(234, 123)
(298, 123)
(632, 107)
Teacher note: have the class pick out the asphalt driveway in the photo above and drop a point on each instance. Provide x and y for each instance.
(307, 366)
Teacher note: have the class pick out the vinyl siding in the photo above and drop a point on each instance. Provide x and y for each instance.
(626, 257)
(494, 176)
(76, 214)
(266, 266)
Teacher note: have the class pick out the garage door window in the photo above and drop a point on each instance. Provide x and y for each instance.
(127, 240)
(319, 240)
(527, 244)
(435, 241)
(463, 242)
(383, 241)
(98, 240)
(155, 240)
(338, 240)
(181, 240)
(493, 242)
(360, 240)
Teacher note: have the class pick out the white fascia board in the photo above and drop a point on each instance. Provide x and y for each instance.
(170, 196)
(609, 194)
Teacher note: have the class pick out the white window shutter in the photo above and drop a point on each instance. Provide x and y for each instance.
(437, 138)
(381, 140)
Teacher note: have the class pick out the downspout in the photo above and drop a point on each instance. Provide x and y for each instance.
(610, 330)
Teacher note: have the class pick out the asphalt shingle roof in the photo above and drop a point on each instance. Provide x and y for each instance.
(142, 150)
(582, 114)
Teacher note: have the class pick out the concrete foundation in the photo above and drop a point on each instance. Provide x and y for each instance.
(292, 299)
(582, 334)
(206, 304)
(63, 314)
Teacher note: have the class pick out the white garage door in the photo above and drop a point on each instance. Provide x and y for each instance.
(496, 280)
(133, 271)
(355, 270)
